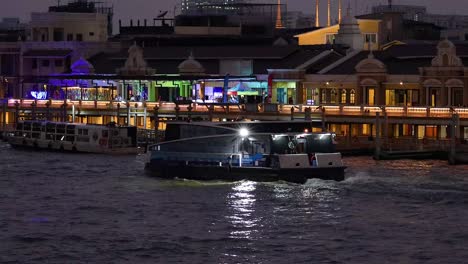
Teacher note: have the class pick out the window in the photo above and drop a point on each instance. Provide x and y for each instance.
(352, 97)
(324, 96)
(457, 99)
(370, 96)
(58, 63)
(79, 37)
(69, 37)
(58, 34)
(45, 63)
(343, 96)
(370, 38)
(333, 96)
(330, 38)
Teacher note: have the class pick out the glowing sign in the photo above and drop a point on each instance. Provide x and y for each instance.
(39, 95)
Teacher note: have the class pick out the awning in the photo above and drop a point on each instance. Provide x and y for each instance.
(242, 89)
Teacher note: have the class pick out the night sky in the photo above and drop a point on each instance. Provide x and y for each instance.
(126, 9)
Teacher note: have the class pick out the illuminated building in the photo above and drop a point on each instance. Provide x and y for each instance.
(208, 6)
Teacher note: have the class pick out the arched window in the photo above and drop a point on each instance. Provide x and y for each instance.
(352, 97)
(333, 96)
(343, 96)
(324, 96)
(445, 60)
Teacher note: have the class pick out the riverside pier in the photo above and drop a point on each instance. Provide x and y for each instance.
(383, 121)
(393, 92)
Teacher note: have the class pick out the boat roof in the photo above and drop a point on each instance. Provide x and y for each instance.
(43, 122)
(250, 136)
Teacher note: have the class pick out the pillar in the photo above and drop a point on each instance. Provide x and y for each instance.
(453, 143)
(177, 111)
(322, 112)
(308, 113)
(350, 134)
(377, 136)
(386, 128)
(144, 116)
(300, 93)
(4, 114)
(73, 113)
(443, 97)
(33, 110)
(449, 96)
(210, 112)
(47, 104)
(156, 118)
(136, 115)
(64, 113)
(117, 114)
(415, 131)
(17, 104)
(128, 114)
(189, 108)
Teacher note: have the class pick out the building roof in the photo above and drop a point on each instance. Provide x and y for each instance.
(167, 59)
(400, 59)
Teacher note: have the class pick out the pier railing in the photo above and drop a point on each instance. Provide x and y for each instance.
(282, 109)
(400, 143)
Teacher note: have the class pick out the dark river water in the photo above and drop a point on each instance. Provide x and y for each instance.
(73, 208)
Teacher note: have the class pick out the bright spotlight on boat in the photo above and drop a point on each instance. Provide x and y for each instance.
(243, 132)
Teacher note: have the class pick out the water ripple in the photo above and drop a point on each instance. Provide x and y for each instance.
(59, 208)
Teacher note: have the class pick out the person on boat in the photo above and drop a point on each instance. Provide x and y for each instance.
(313, 160)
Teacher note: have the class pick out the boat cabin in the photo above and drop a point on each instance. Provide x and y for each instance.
(73, 136)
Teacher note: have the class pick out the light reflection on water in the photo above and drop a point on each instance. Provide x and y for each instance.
(57, 208)
(241, 201)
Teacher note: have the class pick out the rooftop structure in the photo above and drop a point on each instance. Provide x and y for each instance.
(86, 6)
(193, 7)
(419, 13)
(79, 20)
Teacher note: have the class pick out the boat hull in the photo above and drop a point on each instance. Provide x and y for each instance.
(170, 170)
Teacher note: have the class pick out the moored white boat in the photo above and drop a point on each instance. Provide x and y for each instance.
(75, 137)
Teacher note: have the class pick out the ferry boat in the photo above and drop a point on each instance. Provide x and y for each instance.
(216, 151)
(75, 137)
